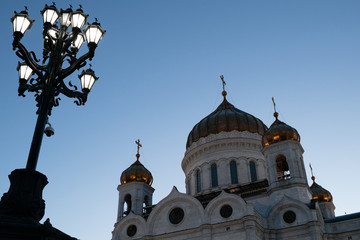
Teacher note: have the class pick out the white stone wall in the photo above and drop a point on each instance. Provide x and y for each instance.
(245, 221)
(343, 230)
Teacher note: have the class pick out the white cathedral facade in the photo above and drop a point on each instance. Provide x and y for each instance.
(243, 181)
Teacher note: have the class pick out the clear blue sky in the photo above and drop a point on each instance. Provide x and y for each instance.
(159, 66)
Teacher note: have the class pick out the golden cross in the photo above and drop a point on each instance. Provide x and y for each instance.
(223, 82)
(274, 104)
(138, 145)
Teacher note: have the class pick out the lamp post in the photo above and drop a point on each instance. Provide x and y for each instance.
(47, 81)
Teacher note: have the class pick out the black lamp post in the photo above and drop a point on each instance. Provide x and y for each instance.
(58, 62)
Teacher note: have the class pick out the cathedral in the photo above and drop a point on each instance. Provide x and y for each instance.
(243, 181)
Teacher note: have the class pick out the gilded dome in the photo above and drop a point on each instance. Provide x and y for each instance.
(279, 131)
(136, 173)
(225, 118)
(320, 193)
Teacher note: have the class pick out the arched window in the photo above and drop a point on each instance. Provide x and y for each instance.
(282, 168)
(253, 172)
(214, 177)
(127, 205)
(198, 181)
(233, 173)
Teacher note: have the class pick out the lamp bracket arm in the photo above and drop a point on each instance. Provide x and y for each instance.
(66, 91)
(82, 97)
(73, 86)
(77, 64)
(30, 88)
(69, 57)
(34, 56)
(36, 80)
(25, 55)
(68, 43)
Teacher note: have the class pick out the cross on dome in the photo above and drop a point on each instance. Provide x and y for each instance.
(224, 93)
(312, 174)
(138, 148)
(276, 114)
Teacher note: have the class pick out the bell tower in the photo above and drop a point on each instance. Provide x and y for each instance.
(135, 191)
(284, 158)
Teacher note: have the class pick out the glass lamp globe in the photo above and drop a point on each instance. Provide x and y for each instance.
(94, 33)
(50, 14)
(21, 22)
(65, 17)
(78, 20)
(77, 43)
(87, 79)
(25, 72)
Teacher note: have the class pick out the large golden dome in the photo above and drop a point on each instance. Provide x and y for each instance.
(136, 173)
(225, 118)
(279, 131)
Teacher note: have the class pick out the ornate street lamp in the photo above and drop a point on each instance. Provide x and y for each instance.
(47, 80)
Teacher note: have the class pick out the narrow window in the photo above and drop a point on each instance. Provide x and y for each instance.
(253, 172)
(282, 168)
(127, 205)
(145, 205)
(198, 181)
(214, 177)
(188, 187)
(233, 173)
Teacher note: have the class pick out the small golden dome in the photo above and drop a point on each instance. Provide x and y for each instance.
(225, 118)
(136, 173)
(319, 193)
(279, 131)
